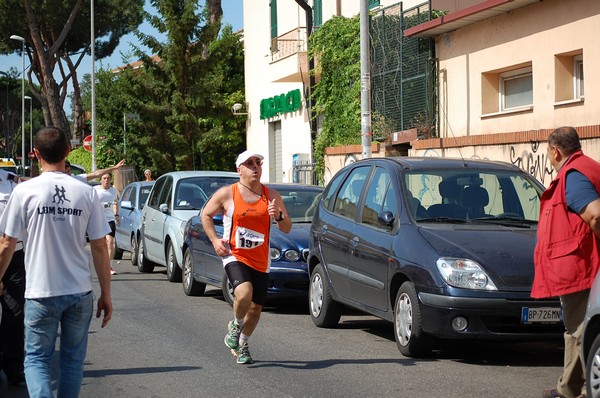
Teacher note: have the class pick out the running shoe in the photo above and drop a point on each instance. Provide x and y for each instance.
(232, 338)
(243, 355)
(112, 271)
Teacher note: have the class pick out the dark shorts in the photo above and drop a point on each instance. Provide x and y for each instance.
(113, 228)
(238, 272)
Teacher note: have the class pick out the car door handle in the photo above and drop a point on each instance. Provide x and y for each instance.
(355, 241)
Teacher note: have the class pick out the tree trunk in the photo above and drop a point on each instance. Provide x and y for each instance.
(42, 58)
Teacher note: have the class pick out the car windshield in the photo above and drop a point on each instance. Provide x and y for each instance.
(193, 192)
(473, 196)
(300, 201)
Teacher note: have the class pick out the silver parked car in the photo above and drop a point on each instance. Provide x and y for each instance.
(131, 203)
(175, 198)
(591, 341)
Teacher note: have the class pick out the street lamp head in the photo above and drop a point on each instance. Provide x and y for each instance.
(15, 37)
(236, 107)
(28, 97)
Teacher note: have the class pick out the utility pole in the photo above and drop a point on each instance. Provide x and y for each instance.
(6, 134)
(365, 81)
(92, 53)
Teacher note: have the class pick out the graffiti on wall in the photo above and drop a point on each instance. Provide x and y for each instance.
(533, 162)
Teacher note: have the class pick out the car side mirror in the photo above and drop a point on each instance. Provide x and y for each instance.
(126, 204)
(218, 219)
(386, 218)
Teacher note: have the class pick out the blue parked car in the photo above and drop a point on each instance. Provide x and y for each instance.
(288, 278)
(131, 203)
(442, 248)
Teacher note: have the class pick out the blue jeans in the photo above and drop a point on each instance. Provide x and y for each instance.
(42, 317)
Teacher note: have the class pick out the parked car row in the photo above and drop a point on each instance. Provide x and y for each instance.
(128, 232)
(442, 248)
(288, 277)
(174, 199)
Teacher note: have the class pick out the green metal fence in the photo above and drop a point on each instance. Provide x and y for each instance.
(403, 72)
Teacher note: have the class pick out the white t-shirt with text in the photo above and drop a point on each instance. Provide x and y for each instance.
(56, 212)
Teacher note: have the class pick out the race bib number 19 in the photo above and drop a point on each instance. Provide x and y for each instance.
(248, 239)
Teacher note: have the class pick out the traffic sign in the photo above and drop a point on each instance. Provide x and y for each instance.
(87, 143)
(31, 155)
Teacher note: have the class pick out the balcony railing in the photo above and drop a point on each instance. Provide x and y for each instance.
(290, 43)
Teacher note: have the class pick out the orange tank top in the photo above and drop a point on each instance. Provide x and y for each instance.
(250, 227)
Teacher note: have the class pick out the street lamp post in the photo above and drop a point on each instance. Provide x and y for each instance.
(22, 40)
(30, 123)
(7, 108)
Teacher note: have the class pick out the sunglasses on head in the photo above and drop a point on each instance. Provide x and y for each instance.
(250, 162)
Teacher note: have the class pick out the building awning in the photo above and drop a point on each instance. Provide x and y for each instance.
(485, 10)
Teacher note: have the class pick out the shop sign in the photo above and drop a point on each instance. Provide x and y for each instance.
(280, 104)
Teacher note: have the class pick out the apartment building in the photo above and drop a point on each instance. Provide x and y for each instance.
(509, 72)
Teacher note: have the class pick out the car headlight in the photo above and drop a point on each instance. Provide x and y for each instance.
(292, 255)
(464, 273)
(275, 254)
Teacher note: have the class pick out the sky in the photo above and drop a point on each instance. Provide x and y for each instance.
(232, 14)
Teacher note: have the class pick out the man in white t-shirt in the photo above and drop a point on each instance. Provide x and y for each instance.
(12, 299)
(56, 212)
(109, 198)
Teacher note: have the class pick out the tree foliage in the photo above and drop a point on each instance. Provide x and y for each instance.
(182, 95)
(57, 34)
(336, 45)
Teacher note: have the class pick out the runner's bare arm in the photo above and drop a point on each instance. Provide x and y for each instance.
(277, 207)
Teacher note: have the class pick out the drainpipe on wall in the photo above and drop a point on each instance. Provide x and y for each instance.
(311, 82)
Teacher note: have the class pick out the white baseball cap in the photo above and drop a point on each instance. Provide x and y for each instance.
(242, 157)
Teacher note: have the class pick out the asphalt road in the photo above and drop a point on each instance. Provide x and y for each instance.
(162, 343)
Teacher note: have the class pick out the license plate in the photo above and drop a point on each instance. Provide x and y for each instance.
(541, 315)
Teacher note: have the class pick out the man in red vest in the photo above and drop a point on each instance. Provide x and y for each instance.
(567, 254)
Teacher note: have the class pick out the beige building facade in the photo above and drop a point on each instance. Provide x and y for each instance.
(509, 73)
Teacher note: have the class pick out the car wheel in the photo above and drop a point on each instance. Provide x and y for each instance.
(227, 290)
(173, 270)
(134, 250)
(191, 287)
(410, 338)
(118, 252)
(144, 265)
(324, 311)
(592, 369)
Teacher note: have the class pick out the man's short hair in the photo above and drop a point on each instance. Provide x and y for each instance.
(52, 144)
(566, 139)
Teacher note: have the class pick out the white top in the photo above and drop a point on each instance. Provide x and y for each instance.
(56, 212)
(108, 197)
(6, 188)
